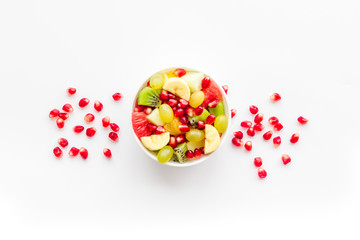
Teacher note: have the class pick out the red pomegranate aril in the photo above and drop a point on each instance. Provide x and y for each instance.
(148, 110)
(114, 127)
(58, 152)
(89, 117)
(189, 154)
(172, 142)
(98, 106)
(78, 129)
(184, 103)
(164, 96)
(54, 113)
(90, 132)
(180, 139)
(68, 108)
(84, 153)
(60, 122)
(294, 138)
(178, 105)
(148, 84)
(199, 110)
(273, 120)
(258, 118)
(302, 120)
(210, 119)
(83, 102)
(245, 124)
(159, 130)
(262, 173)
(257, 162)
(183, 119)
(277, 141)
(275, 97)
(278, 127)
(259, 127)
(237, 142)
(139, 108)
(267, 135)
(248, 145)
(239, 134)
(74, 152)
(63, 142)
(114, 136)
(179, 112)
(117, 96)
(71, 91)
(202, 149)
(174, 108)
(171, 96)
(213, 103)
(205, 82)
(286, 159)
(179, 72)
(184, 128)
(151, 127)
(189, 111)
(107, 152)
(197, 153)
(253, 109)
(201, 125)
(226, 88)
(105, 121)
(250, 132)
(63, 115)
(233, 113)
(172, 102)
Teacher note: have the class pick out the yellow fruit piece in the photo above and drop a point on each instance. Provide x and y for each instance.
(178, 86)
(156, 142)
(173, 127)
(212, 139)
(196, 99)
(171, 74)
(193, 145)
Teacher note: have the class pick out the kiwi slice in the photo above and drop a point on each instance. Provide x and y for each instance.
(203, 116)
(149, 97)
(218, 110)
(180, 152)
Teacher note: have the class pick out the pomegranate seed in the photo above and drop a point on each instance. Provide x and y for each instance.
(273, 120)
(179, 112)
(172, 102)
(286, 159)
(278, 127)
(148, 84)
(259, 127)
(253, 109)
(210, 119)
(248, 145)
(171, 96)
(174, 108)
(63, 142)
(64, 116)
(245, 124)
(78, 129)
(180, 139)
(90, 132)
(74, 151)
(213, 103)
(267, 135)
(164, 96)
(71, 91)
(54, 113)
(233, 113)
(179, 72)
(68, 108)
(257, 162)
(201, 125)
(106, 121)
(275, 97)
(184, 120)
(178, 105)
(98, 106)
(197, 153)
(184, 128)
(151, 127)
(89, 117)
(148, 110)
(172, 142)
(58, 152)
(302, 120)
(205, 82)
(202, 149)
(60, 122)
(189, 111)
(114, 136)
(277, 141)
(184, 103)
(262, 173)
(294, 138)
(107, 152)
(83, 102)
(159, 130)
(250, 132)
(114, 127)
(226, 88)
(117, 96)
(189, 154)
(84, 153)
(139, 108)
(237, 142)
(239, 134)
(258, 118)
(199, 110)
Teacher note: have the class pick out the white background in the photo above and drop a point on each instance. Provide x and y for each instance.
(306, 50)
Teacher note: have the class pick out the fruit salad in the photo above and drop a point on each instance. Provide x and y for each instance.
(180, 115)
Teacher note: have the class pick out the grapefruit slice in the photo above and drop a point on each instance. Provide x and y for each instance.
(212, 92)
(140, 124)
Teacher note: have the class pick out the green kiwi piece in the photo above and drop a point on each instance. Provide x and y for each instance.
(180, 152)
(203, 116)
(218, 110)
(149, 97)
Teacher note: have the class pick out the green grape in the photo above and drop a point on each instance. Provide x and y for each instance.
(166, 113)
(195, 135)
(165, 154)
(157, 81)
(196, 99)
(221, 123)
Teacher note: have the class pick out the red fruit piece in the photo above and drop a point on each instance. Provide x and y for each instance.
(90, 132)
(140, 123)
(172, 142)
(71, 91)
(78, 129)
(201, 125)
(286, 159)
(60, 122)
(245, 124)
(211, 92)
(98, 106)
(54, 113)
(294, 138)
(179, 72)
(226, 88)
(117, 96)
(58, 152)
(139, 108)
(239, 134)
(180, 139)
(172, 102)
(184, 103)
(197, 153)
(114, 136)
(233, 113)
(267, 135)
(151, 127)
(105, 121)
(184, 120)
(159, 130)
(89, 117)
(73, 152)
(171, 96)
(189, 111)
(250, 132)
(213, 103)
(107, 152)
(114, 127)
(189, 154)
(148, 110)
(164, 96)
(83, 102)
(278, 127)
(237, 142)
(262, 173)
(184, 128)
(202, 149)
(253, 109)
(248, 145)
(210, 119)
(259, 127)
(179, 112)
(275, 97)
(84, 153)
(302, 120)
(205, 82)
(277, 141)
(64, 116)
(258, 118)
(68, 108)
(63, 142)
(198, 111)
(273, 120)
(257, 162)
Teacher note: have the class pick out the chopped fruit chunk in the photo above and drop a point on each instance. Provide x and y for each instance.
(114, 136)
(78, 129)
(64, 116)
(157, 80)
(233, 113)
(253, 109)
(275, 97)
(178, 86)
(106, 121)
(278, 127)
(151, 127)
(60, 122)
(83, 102)
(248, 145)
(173, 127)
(74, 152)
(84, 153)
(196, 99)
(179, 72)
(90, 132)
(58, 152)
(98, 106)
(107, 152)
(54, 113)
(239, 134)
(149, 97)
(226, 88)
(273, 120)
(221, 123)
(156, 142)
(250, 132)
(212, 139)
(71, 91)
(267, 135)
(237, 142)
(212, 92)
(89, 117)
(286, 159)
(68, 108)
(294, 138)
(258, 118)
(63, 142)
(257, 162)
(165, 154)
(117, 96)
(114, 127)
(194, 79)
(140, 124)
(245, 124)
(262, 173)
(277, 141)
(302, 120)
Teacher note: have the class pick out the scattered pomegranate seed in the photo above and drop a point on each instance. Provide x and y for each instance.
(213, 103)
(278, 127)
(84, 153)
(205, 82)
(83, 102)
(259, 127)
(245, 124)
(172, 142)
(277, 141)
(199, 110)
(267, 135)
(68, 108)
(258, 118)
(114, 127)
(78, 129)
(184, 128)
(63, 142)
(302, 120)
(172, 102)
(248, 145)
(58, 152)
(89, 117)
(148, 110)
(71, 91)
(180, 139)
(197, 153)
(179, 72)
(74, 151)
(90, 132)
(201, 125)
(189, 111)
(273, 120)
(210, 119)
(286, 159)
(98, 106)
(63, 115)
(262, 173)
(151, 127)
(106, 121)
(159, 130)
(171, 96)
(184, 120)
(237, 142)
(253, 109)
(257, 162)
(179, 112)
(164, 96)
(275, 97)
(233, 113)
(139, 108)
(250, 132)
(226, 88)
(113, 136)
(107, 152)
(189, 154)
(238, 134)
(60, 122)
(294, 138)
(117, 96)
(54, 113)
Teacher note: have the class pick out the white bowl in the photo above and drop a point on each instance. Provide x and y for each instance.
(191, 162)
